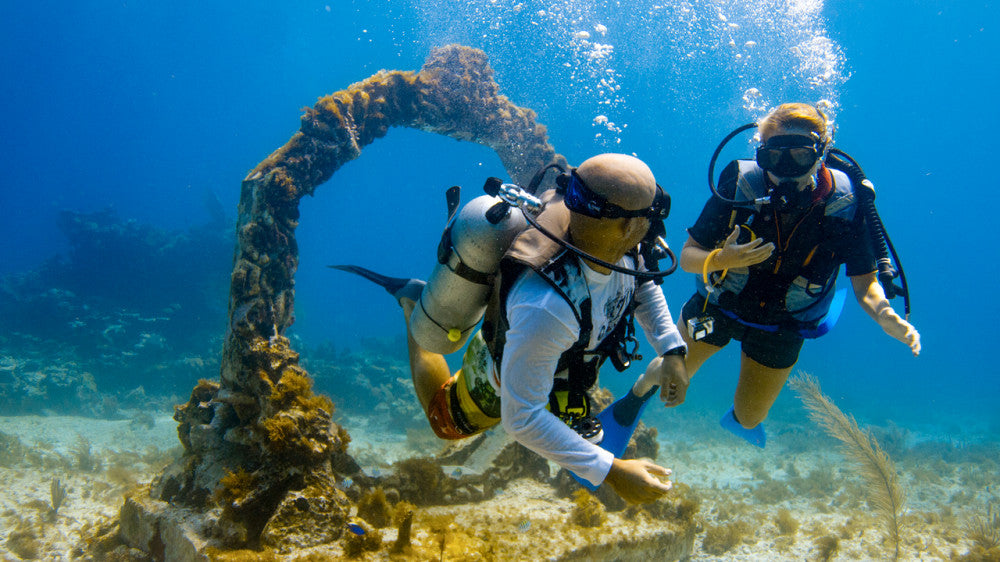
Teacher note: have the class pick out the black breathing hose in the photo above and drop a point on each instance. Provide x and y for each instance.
(644, 275)
(715, 156)
(865, 192)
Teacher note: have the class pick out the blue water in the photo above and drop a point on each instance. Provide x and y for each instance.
(146, 107)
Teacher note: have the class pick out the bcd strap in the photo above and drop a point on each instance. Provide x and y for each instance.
(446, 255)
(568, 403)
(616, 345)
(456, 264)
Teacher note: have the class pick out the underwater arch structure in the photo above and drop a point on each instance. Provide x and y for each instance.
(259, 442)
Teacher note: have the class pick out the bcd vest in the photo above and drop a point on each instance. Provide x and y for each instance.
(578, 367)
(794, 288)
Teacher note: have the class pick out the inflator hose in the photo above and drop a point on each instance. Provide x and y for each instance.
(865, 193)
(715, 156)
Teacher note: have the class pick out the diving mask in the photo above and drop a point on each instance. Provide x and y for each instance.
(581, 199)
(790, 156)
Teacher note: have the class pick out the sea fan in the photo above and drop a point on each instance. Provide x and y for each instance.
(877, 469)
(985, 531)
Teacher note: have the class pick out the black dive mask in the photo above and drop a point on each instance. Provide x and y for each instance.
(790, 156)
(581, 199)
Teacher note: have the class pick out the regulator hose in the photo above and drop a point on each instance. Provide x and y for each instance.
(865, 192)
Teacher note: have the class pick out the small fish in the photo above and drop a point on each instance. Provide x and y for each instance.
(524, 526)
(356, 529)
(457, 473)
(374, 472)
(346, 483)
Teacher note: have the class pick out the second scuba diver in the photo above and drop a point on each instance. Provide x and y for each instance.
(555, 315)
(766, 253)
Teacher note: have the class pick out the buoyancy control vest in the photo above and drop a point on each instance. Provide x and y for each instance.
(578, 366)
(794, 288)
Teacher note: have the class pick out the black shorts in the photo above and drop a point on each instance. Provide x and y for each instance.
(777, 350)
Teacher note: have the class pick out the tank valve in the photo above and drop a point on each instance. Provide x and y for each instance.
(517, 197)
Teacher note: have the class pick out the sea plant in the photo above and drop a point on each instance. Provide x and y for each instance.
(24, 541)
(879, 473)
(405, 528)
(985, 530)
(680, 505)
(786, 523)
(85, 458)
(826, 547)
(819, 483)
(12, 451)
(719, 539)
(588, 511)
(57, 496)
(375, 509)
(121, 473)
(771, 492)
(234, 486)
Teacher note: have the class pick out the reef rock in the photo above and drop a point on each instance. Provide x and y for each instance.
(259, 445)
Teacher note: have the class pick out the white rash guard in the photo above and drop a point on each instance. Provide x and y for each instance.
(542, 327)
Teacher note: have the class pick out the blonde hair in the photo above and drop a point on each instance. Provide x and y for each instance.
(794, 116)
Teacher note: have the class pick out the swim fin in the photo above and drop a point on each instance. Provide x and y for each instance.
(619, 421)
(398, 287)
(755, 435)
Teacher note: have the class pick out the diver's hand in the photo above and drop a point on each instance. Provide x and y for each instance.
(740, 255)
(894, 325)
(638, 480)
(671, 374)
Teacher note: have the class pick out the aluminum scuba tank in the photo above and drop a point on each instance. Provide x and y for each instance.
(455, 298)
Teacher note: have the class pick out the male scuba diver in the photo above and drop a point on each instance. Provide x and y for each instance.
(561, 303)
(766, 251)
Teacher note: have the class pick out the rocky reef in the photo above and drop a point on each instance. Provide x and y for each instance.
(104, 326)
(265, 467)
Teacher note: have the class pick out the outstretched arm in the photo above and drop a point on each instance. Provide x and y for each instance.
(872, 299)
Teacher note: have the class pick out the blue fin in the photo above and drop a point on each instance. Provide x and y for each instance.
(619, 421)
(755, 435)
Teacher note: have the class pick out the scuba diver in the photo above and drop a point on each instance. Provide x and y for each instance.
(766, 251)
(559, 298)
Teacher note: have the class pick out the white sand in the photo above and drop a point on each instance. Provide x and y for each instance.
(721, 471)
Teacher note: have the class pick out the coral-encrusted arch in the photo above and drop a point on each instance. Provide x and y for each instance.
(262, 417)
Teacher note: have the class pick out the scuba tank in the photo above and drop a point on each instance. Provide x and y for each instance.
(455, 298)
(472, 245)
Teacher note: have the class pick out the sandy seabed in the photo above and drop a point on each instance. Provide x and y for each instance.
(791, 501)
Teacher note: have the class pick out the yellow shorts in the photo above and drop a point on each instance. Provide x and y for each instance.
(467, 404)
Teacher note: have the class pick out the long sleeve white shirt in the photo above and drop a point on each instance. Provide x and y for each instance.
(541, 327)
